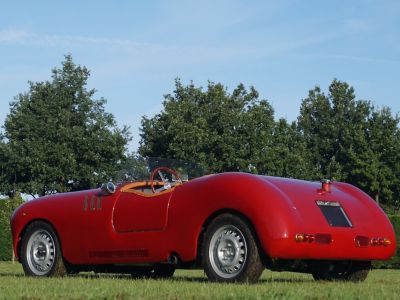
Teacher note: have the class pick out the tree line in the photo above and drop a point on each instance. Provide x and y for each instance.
(58, 138)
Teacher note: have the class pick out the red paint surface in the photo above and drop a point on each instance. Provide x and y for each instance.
(130, 228)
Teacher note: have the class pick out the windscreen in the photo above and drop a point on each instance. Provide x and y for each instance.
(139, 169)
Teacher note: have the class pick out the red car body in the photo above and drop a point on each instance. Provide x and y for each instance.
(134, 227)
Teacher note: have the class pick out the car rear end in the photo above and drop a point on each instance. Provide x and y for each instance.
(331, 221)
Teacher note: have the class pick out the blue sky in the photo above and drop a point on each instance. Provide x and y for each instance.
(135, 49)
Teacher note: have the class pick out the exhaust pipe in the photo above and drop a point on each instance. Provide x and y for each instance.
(173, 259)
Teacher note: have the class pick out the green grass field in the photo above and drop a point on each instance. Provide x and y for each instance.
(380, 284)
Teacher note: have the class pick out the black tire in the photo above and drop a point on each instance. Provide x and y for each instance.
(230, 252)
(41, 252)
(355, 271)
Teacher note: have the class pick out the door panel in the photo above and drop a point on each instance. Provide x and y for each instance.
(134, 212)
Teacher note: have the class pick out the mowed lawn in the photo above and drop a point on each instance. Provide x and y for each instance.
(192, 284)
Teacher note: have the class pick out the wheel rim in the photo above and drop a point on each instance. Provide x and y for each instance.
(40, 252)
(228, 251)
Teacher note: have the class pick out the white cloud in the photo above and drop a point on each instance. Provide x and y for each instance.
(12, 36)
(356, 26)
(47, 40)
(362, 59)
(191, 52)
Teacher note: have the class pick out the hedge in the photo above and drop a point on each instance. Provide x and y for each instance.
(393, 263)
(7, 206)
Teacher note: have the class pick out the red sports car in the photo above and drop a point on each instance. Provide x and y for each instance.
(233, 225)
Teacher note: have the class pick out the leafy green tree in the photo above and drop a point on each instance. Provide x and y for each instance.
(383, 143)
(6, 170)
(332, 125)
(222, 131)
(133, 167)
(289, 156)
(3, 148)
(350, 140)
(59, 137)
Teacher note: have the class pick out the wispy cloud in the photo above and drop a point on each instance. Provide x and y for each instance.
(13, 36)
(362, 59)
(201, 52)
(356, 26)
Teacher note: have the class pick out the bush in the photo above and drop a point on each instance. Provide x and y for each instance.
(7, 207)
(393, 263)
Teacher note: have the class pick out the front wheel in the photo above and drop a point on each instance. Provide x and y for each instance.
(41, 251)
(230, 252)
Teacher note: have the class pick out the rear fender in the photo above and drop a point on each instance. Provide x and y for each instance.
(268, 210)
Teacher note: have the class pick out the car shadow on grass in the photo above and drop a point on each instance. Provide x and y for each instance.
(285, 280)
(10, 274)
(261, 281)
(178, 278)
(129, 277)
(189, 279)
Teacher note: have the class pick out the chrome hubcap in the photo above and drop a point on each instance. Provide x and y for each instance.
(40, 252)
(228, 251)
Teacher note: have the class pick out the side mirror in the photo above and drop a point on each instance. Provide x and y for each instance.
(108, 188)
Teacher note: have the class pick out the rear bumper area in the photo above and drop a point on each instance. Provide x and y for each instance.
(343, 246)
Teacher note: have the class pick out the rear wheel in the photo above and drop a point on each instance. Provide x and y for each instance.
(41, 251)
(230, 252)
(355, 271)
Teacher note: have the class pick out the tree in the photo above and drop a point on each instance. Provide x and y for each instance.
(383, 141)
(133, 167)
(352, 141)
(222, 131)
(6, 170)
(3, 160)
(290, 156)
(332, 125)
(60, 138)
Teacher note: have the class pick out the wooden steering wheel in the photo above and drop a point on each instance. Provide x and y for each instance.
(167, 184)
